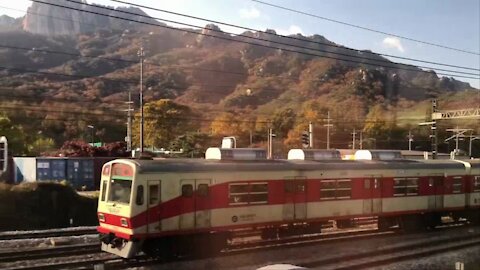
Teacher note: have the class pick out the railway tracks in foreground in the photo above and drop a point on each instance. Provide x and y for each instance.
(17, 235)
(395, 254)
(359, 260)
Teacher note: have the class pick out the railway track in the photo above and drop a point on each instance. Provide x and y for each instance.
(42, 253)
(369, 259)
(359, 260)
(17, 235)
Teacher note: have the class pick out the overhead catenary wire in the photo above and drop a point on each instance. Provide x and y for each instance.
(118, 114)
(294, 37)
(241, 41)
(364, 28)
(414, 68)
(246, 28)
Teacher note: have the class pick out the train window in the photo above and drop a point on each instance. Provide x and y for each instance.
(476, 184)
(202, 190)
(405, 186)
(254, 193)
(335, 189)
(104, 191)
(140, 195)
(187, 190)
(457, 185)
(258, 193)
(153, 192)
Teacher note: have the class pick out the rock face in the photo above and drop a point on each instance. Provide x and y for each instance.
(51, 20)
(9, 23)
(6, 21)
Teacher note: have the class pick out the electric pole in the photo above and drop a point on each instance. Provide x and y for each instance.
(353, 141)
(310, 133)
(141, 55)
(361, 140)
(328, 125)
(434, 132)
(410, 140)
(129, 121)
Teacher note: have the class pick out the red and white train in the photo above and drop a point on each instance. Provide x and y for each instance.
(165, 207)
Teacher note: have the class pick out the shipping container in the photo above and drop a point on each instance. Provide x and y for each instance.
(80, 173)
(25, 169)
(51, 169)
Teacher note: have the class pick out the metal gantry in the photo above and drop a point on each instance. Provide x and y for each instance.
(456, 114)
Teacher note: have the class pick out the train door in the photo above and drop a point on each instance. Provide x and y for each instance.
(154, 199)
(372, 202)
(437, 186)
(202, 203)
(295, 206)
(195, 203)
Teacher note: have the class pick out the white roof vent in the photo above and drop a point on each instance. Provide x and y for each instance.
(235, 153)
(378, 155)
(313, 154)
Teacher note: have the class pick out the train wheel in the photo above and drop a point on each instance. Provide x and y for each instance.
(344, 223)
(386, 223)
(412, 223)
(269, 233)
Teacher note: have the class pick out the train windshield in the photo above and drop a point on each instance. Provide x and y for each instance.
(120, 191)
(121, 183)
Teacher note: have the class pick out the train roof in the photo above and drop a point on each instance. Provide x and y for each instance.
(198, 165)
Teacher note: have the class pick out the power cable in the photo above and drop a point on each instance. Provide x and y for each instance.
(364, 28)
(296, 38)
(237, 40)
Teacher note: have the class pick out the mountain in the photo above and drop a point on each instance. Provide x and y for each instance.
(8, 23)
(53, 20)
(205, 69)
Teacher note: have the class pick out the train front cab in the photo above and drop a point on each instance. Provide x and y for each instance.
(117, 228)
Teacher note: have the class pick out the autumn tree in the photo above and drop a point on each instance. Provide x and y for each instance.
(164, 121)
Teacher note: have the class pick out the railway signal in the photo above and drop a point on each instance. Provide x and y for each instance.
(3, 154)
(305, 139)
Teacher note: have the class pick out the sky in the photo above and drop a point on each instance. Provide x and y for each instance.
(450, 23)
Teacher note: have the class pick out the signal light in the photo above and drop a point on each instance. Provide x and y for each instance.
(305, 139)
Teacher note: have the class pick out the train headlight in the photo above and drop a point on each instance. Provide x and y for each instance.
(101, 217)
(124, 222)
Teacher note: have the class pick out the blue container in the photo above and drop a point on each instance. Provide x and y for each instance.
(51, 169)
(80, 173)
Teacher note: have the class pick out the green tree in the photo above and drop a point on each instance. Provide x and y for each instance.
(193, 144)
(15, 135)
(40, 146)
(164, 121)
(283, 121)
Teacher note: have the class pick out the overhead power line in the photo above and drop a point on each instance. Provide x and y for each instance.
(365, 28)
(119, 115)
(413, 68)
(237, 40)
(295, 38)
(240, 27)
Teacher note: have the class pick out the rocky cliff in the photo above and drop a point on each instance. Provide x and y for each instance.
(50, 20)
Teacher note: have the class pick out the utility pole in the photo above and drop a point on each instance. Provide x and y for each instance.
(434, 132)
(458, 132)
(129, 122)
(328, 125)
(410, 140)
(353, 141)
(270, 143)
(141, 55)
(310, 134)
(361, 140)
(472, 138)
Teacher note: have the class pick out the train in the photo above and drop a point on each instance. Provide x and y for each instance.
(172, 207)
